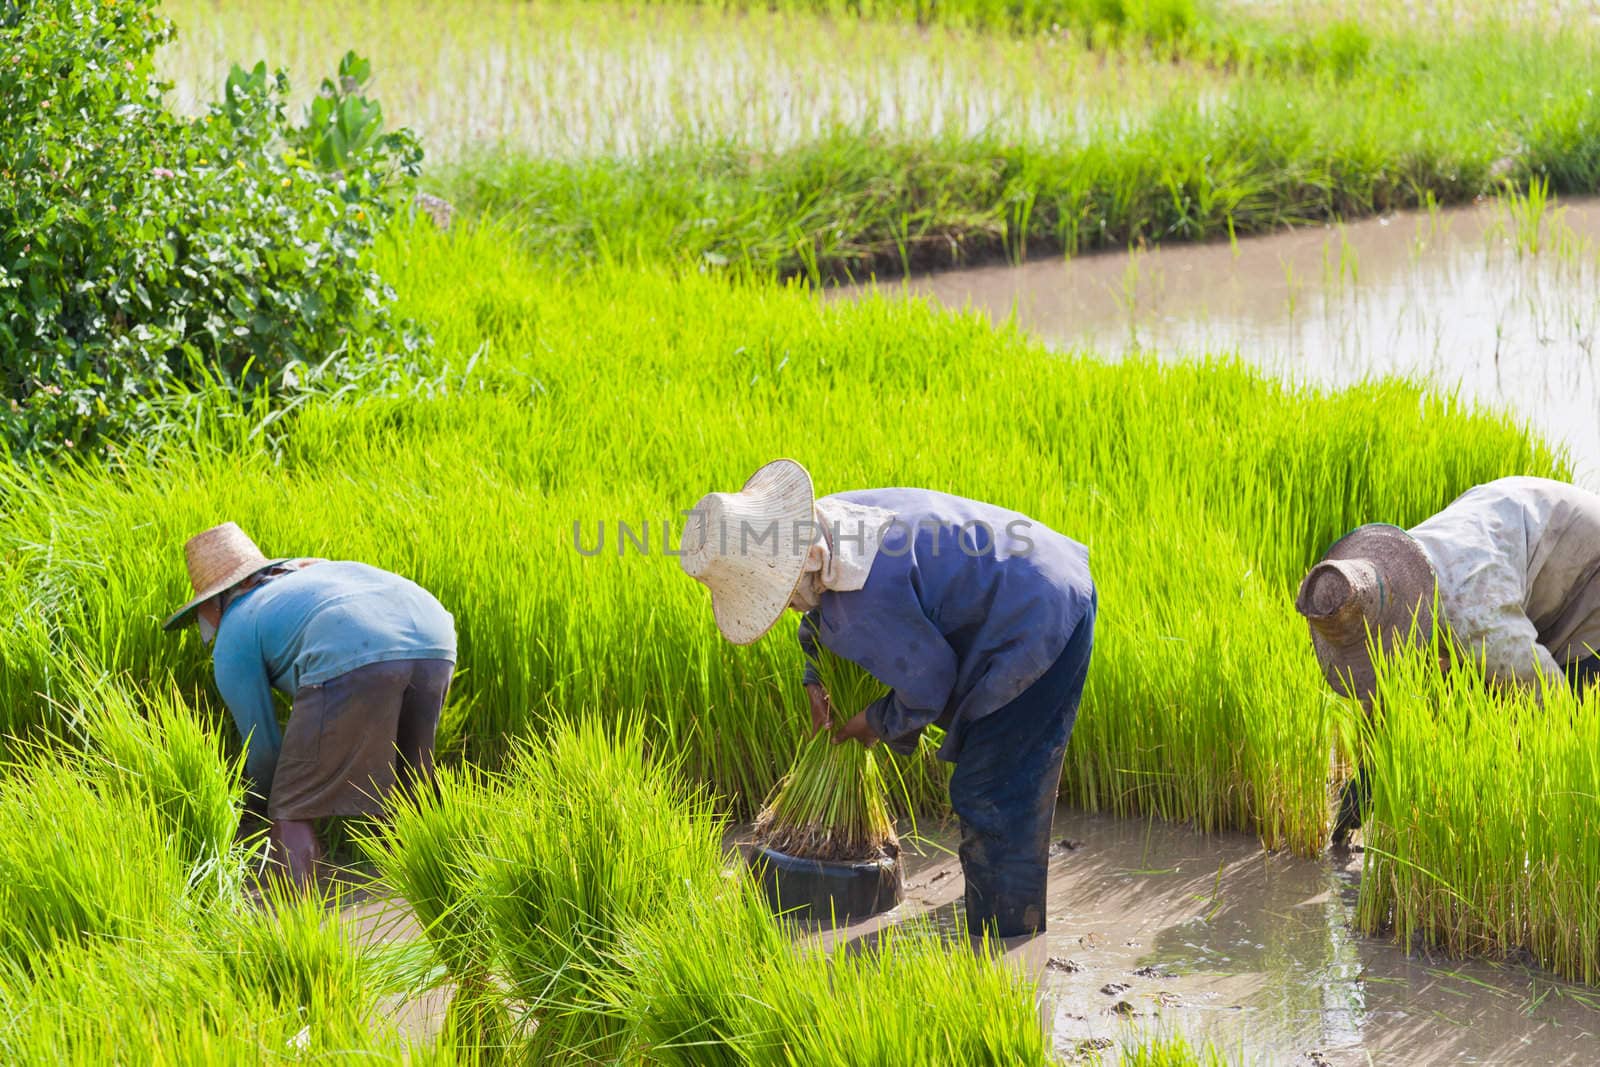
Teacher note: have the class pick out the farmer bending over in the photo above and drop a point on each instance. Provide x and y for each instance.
(979, 619)
(1516, 564)
(366, 656)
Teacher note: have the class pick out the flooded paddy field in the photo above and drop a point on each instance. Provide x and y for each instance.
(1156, 930)
(1498, 302)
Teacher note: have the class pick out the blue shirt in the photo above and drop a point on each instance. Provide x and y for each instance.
(965, 606)
(312, 625)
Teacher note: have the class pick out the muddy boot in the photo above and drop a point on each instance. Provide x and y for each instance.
(296, 850)
(1353, 802)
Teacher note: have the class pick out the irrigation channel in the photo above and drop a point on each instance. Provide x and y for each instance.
(1156, 929)
(1498, 301)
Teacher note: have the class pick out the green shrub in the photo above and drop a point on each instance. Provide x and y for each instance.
(144, 256)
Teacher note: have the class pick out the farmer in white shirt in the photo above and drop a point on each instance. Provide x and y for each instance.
(1516, 564)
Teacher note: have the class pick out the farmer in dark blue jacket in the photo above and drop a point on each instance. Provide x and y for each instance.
(366, 656)
(979, 619)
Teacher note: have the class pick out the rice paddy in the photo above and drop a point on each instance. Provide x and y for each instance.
(623, 317)
(775, 141)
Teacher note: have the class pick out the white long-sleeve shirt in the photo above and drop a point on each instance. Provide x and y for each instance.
(1518, 564)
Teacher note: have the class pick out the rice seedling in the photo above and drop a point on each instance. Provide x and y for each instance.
(1534, 222)
(833, 804)
(875, 1006)
(427, 850)
(57, 889)
(243, 987)
(155, 748)
(1170, 1052)
(1479, 839)
(737, 992)
(590, 840)
(1204, 705)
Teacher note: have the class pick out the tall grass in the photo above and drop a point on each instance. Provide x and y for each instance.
(527, 883)
(1203, 492)
(738, 993)
(616, 936)
(829, 148)
(1480, 838)
(128, 932)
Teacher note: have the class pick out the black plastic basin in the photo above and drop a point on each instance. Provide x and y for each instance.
(824, 892)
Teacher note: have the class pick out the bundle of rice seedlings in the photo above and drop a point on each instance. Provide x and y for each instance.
(833, 804)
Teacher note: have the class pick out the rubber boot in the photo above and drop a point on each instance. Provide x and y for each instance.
(1354, 799)
(296, 850)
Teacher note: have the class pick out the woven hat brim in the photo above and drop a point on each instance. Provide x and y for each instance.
(1409, 580)
(744, 615)
(185, 614)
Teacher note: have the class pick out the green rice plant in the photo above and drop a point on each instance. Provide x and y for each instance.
(278, 989)
(304, 965)
(913, 997)
(695, 989)
(503, 458)
(781, 142)
(1170, 1052)
(729, 988)
(153, 746)
(428, 850)
(1479, 835)
(77, 862)
(588, 839)
(833, 804)
(1534, 221)
(128, 927)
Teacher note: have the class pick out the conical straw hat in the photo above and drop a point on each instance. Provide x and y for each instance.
(749, 548)
(219, 559)
(1374, 579)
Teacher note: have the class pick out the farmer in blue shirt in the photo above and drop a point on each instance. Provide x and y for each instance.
(979, 619)
(366, 656)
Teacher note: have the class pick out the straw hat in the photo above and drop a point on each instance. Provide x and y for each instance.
(749, 548)
(1377, 578)
(218, 559)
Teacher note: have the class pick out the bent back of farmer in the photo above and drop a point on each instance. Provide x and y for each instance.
(366, 657)
(979, 619)
(1515, 563)
(1515, 567)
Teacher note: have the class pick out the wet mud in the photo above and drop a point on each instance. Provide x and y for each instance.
(1500, 304)
(1155, 930)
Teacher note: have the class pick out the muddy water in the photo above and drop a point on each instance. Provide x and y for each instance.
(1457, 297)
(1155, 931)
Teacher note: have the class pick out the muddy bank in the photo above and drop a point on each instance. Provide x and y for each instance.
(1502, 306)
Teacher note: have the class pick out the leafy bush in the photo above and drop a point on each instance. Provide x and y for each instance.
(144, 255)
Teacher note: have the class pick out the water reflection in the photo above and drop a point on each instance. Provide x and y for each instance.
(1496, 301)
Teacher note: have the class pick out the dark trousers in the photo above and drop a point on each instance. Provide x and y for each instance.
(353, 738)
(1004, 791)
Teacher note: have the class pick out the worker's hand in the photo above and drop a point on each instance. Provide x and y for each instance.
(857, 730)
(821, 708)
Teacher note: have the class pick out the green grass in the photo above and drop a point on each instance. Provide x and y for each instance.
(837, 148)
(1480, 837)
(1203, 492)
(1258, 155)
(613, 933)
(128, 928)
